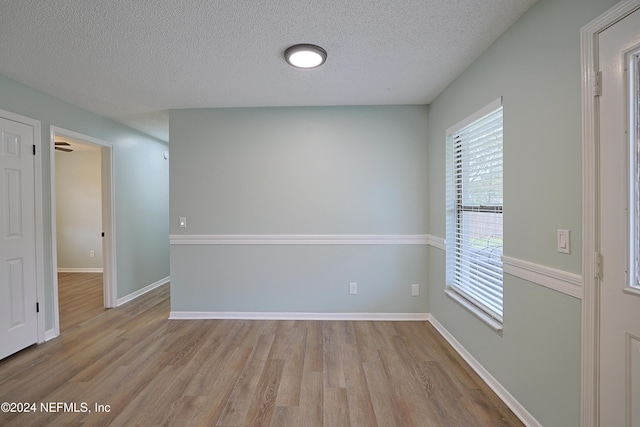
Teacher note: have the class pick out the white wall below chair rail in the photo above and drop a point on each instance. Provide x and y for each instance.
(301, 239)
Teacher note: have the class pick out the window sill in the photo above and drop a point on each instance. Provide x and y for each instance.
(632, 290)
(484, 317)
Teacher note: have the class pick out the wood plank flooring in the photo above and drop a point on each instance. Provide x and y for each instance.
(151, 371)
(80, 298)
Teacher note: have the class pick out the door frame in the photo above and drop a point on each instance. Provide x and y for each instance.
(39, 214)
(108, 219)
(590, 399)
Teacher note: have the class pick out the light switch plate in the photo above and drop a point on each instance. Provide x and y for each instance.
(564, 241)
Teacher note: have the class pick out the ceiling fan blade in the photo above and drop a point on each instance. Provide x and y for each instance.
(66, 150)
(61, 143)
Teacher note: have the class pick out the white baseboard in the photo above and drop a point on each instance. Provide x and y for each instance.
(503, 393)
(80, 270)
(243, 315)
(142, 291)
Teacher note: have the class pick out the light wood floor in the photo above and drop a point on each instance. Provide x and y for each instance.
(152, 371)
(80, 298)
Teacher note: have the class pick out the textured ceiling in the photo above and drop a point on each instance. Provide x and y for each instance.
(132, 60)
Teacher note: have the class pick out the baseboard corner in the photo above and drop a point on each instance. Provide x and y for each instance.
(142, 291)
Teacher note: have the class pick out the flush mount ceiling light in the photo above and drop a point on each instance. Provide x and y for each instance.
(305, 55)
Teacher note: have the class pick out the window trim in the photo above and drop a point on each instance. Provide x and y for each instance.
(493, 323)
(475, 116)
(485, 314)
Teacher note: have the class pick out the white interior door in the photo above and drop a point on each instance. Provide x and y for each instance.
(18, 289)
(619, 189)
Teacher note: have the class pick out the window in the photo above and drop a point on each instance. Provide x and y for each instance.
(474, 217)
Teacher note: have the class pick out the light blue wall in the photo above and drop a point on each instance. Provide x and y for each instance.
(535, 66)
(292, 171)
(368, 170)
(298, 278)
(141, 187)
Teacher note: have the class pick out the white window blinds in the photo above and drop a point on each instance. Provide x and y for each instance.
(476, 268)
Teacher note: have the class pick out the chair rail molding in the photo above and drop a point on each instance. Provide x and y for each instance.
(300, 239)
(558, 280)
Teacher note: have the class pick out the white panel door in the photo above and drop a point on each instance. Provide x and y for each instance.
(619, 192)
(18, 317)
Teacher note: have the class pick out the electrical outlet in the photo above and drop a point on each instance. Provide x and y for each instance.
(183, 222)
(353, 288)
(415, 290)
(92, 253)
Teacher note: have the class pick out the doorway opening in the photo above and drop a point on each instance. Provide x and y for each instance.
(83, 249)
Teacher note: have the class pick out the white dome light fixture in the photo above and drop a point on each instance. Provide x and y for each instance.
(305, 56)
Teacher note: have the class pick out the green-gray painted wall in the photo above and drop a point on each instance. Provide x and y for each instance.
(535, 67)
(367, 170)
(141, 187)
(293, 171)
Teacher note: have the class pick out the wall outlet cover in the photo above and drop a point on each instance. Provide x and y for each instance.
(353, 288)
(415, 290)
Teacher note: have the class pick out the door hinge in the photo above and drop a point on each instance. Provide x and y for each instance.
(37, 307)
(34, 149)
(598, 266)
(597, 84)
(103, 234)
